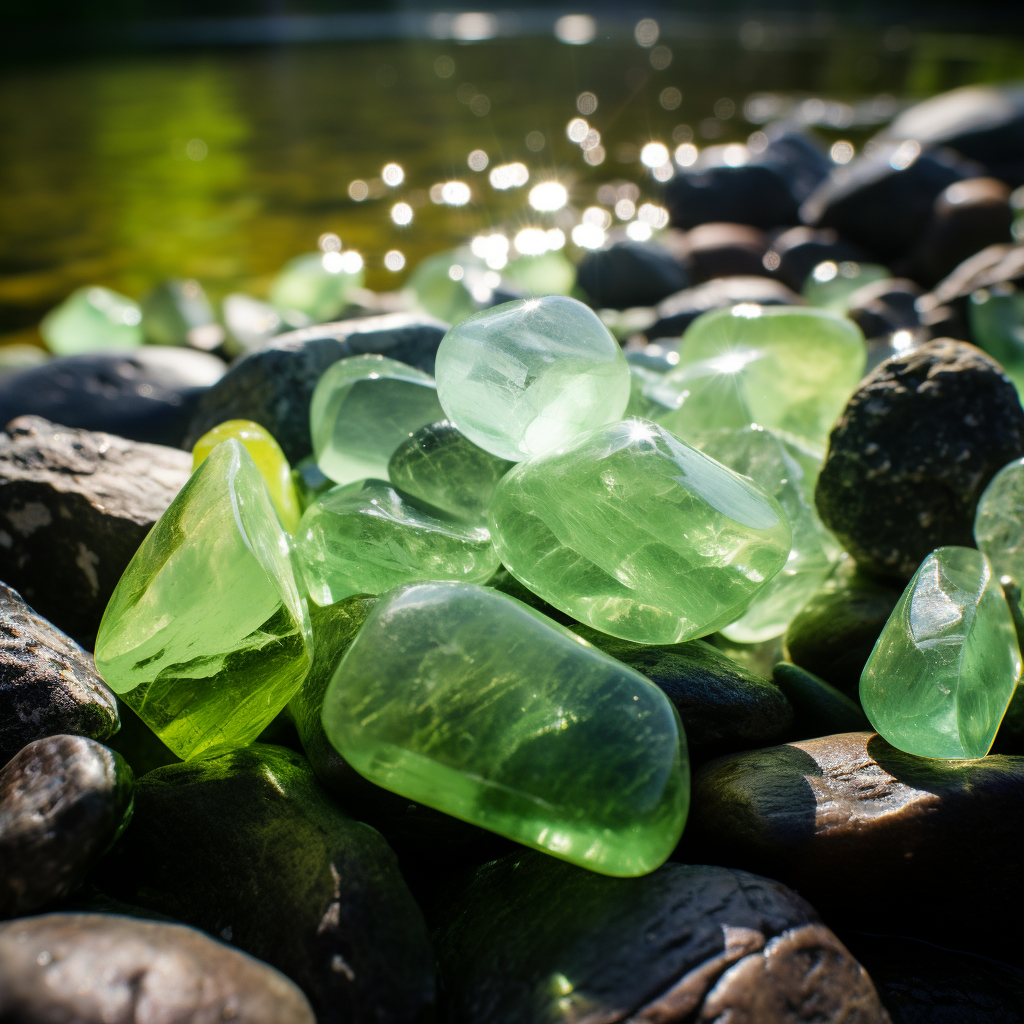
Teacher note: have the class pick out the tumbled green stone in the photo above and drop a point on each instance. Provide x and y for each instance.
(632, 531)
(315, 285)
(474, 704)
(367, 537)
(830, 285)
(453, 285)
(997, 326)
(269, 459)
(526, 376)
(206, 636)
(309, 482)
(999, 522)
(787, 474)
(440, 465)
(551, 273)
(363, 408)
(646, 398)
(944, 669)
(179, 313)
(788, 368)
(91, 319)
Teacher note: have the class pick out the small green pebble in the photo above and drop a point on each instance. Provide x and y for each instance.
(91, 319)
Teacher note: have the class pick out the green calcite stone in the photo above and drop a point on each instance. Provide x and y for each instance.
(90, 319)
(179, 313)
(787, 368)
(786, 473)
(443, 467)
(999, 522)
(206, 636)
(647, 397)
(551, 273)
(367, 537)
(453, 285)
(269, 459)
(314, 285)
(526, 376)
(832, 289)
(997, 325)
(944, 669)
(632, 531)
(309, 482)
(469, 702)
(363, 408)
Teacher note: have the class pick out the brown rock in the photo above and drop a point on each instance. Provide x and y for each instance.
(724, 250)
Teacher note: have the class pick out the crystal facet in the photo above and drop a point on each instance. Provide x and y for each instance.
(90, 319)
(999, 522)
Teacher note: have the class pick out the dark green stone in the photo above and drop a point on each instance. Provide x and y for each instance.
(819, 709)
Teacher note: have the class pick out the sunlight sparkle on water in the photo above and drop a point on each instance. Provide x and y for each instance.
(548, 196)
(654, 154)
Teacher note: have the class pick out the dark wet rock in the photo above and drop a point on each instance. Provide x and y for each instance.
(833, 634)
(533, 940)
(749, 194)
(678, 311)
(63, 801)
(627, 273)
(796, 252)
(138, 744)
(145, 394)
(819, 709)
(797, 156)
(104, 969)
(724, 250)
(48, 684)
(883, 200)
(883, 307)
(915, 447)
(274, 385)
(724, 707)
(249, 847)
(862, 829)
(74, 507)
(759, 658)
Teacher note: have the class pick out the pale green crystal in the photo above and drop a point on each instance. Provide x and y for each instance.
(315, 284)
(997, 325)
(91, 319)
(830, 285)
(551, 273)
(526, 376)
(178, 313)
(453, 285)
(999, 522)
(206, 636)
(363, 408)
(466, 700)
(367, 537)
(942, 673)
(632, 531)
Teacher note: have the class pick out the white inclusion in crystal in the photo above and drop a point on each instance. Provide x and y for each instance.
(932, 611)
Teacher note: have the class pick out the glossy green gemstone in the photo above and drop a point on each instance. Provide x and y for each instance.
(999, 522)
(453, 285)
(830, 285)
(997, 326)
(550, 273)
(269, 459)
(206, 637)
(630, 530)
(466, 700)
(317, 284)
(786, 473)
(441, 466)
(944, 669)
(179, 313)
(91, 319)
(788, 368)
(363, 408)
(526, 376)
(367, 537)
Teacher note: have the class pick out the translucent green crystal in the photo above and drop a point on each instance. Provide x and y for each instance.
(997, 326)
(178, 313)
(206, 636)
(363, 408)
(269, 459)
(466, 700)
(632, 531)
(787, 368)
(999, 522)
(551, 273)
(315, 284)
(944, 669)
(526, 376)
(830, 284)
(453, 285)
(367, 537)
(443, 467)
(787, 474)
(91, 319)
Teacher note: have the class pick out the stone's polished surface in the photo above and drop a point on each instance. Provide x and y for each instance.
(999, 522)
(269, 459)
(362, 409)
(944, 669)
(787, 368)
(315, 285)
(206, 636)
(367, 537)
(468, 701)
(90, 319)
(527, 376)
(787, 474)
(440, 465)
(635, 533)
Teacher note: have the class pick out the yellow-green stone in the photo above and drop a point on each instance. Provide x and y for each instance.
(630, 530)
(526, 376)
(206, 636)
(314, 285)
(999, 522)
(468, 701)
(367, 537)
(944, 669)
(269, 459)
(363, 408)
(91, 319)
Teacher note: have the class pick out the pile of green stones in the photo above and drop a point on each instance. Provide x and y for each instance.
(654, 509)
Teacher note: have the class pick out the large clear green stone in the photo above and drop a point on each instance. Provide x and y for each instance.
(441, 466)
(787, 368)
(91, 319)
(999, 522)
(206, 636)
(526, 376)
(315, 285)
(944, 669)
(363, 408)
(466, 700)
(632, 531)
(367, 537)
